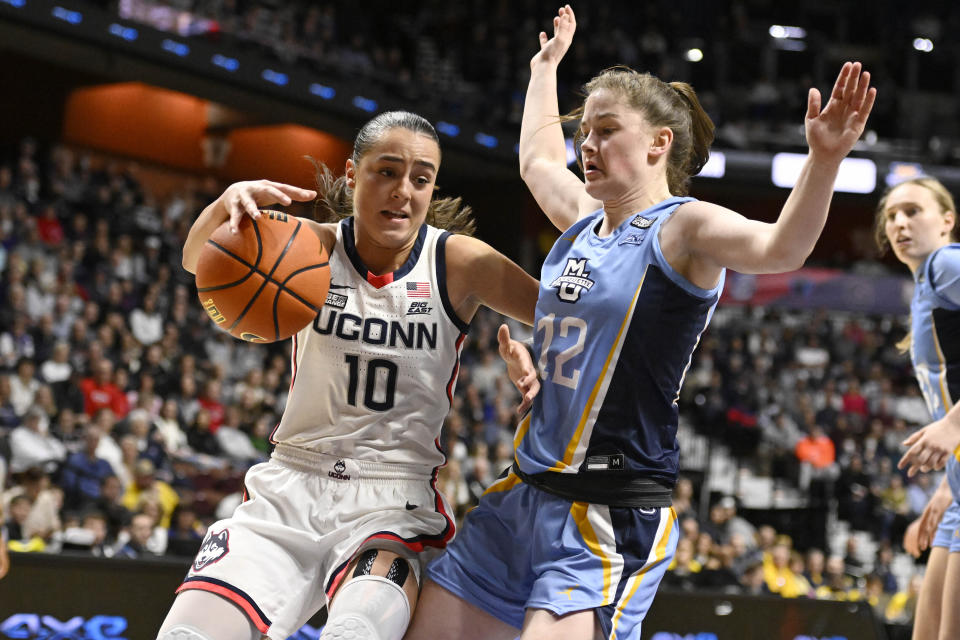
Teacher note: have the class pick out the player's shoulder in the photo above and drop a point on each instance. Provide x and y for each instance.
(945, 261)
(326, 231)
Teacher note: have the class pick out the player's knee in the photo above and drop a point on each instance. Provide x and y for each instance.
(397, 569)
(375, 603)
(182, 632)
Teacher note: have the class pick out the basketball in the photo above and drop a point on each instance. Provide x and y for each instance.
(265, 282)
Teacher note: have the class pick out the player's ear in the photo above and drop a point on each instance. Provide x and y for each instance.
(351, 174)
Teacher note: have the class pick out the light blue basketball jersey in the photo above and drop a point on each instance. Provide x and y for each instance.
(615, 330)
(935, 343)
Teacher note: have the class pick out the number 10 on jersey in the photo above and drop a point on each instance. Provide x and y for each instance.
(379, 385)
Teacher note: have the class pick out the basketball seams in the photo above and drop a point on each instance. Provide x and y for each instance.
(257, 306)
(267, 277)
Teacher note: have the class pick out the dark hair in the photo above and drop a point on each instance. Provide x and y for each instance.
(335, 199)
(674, 105)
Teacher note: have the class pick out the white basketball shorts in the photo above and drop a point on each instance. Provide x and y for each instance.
(305, 517)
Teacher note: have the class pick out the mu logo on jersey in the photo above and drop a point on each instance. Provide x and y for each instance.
(214, 547)
(574, 281)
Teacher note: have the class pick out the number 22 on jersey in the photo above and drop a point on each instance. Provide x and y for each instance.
(561, 370)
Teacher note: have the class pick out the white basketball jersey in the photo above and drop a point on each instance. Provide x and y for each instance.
(373, 375)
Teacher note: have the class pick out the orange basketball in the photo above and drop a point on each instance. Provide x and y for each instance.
(265, 282)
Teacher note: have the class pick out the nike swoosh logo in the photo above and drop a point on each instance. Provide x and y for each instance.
(411, 507)
(341, 286)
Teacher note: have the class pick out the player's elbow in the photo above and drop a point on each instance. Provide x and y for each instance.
(189, 263)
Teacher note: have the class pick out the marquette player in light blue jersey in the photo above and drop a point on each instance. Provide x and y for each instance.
(917, 218)
(573, 541)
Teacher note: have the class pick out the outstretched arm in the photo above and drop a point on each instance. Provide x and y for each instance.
(543, 152)
(240, 199)
(721, 238)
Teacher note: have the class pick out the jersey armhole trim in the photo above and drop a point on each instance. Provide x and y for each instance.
(441, 255)
(674, 276)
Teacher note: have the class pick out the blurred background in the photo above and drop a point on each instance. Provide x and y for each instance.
(127, 420)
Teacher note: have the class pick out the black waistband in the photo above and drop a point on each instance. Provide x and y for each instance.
(618, 489)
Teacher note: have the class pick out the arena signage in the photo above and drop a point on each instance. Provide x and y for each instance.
(29, 626)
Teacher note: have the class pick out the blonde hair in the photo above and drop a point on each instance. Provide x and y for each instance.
(942, 197)
(940, 194)
(673, 105)
(335, 199)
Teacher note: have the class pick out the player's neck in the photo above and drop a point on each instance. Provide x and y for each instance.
(382, 260)
(615, 211)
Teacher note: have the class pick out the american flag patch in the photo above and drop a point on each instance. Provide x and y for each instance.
(418, 289)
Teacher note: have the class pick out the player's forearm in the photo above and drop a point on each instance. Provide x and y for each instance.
(541, 136)
(206, 223)
(803, 216)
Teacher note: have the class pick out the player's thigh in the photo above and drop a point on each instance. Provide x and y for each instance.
(441, 615)
(927, 619)
(540, 624)
(950, 604)
(206, 614)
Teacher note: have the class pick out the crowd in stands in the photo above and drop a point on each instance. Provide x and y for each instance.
(468, 61)
(127, 420)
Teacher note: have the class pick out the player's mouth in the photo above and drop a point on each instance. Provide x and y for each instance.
(902, 242)
(591, 170)
(394, 215)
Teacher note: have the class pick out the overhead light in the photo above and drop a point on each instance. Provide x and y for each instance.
(780, 31)
(856, 175)
(716, 166)
(694, 55)
(323, 91)
(923, 44)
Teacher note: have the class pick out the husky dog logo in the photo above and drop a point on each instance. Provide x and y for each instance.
(574, 281)
(215, 546)
(338, 471)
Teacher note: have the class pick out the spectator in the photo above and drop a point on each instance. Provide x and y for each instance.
(141, 528)
(146, 323)
(23, 386)
(99, 391)
(145, 486)
(90, 537)
(186, 532)
(31, 444)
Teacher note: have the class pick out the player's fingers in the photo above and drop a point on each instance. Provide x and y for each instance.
(296, 193)
(271, 195)
(838, 86)
(503, 338)
(852, 83)
(864, 111)
(856, 101)
(813, 104)
(543, 39)
(912, 438)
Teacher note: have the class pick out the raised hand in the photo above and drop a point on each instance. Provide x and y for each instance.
(930, 447)
(520, 367)
(246, 198)
(553, 49)
(832, 132)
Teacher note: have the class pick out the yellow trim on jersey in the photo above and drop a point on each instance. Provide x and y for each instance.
(522, 429)
(579, 512)
(661, 553)
(575, 441)
(956, 453)
(504, 484)
(944, 392)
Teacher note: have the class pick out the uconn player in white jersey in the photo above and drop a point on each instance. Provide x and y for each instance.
(572, 543)
(347, 507)
(918, 219)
